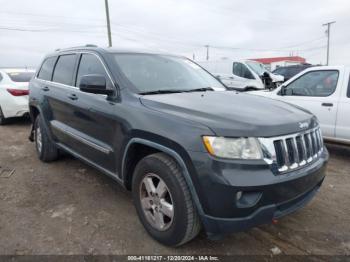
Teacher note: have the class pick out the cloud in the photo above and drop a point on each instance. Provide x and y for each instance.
(235, 29)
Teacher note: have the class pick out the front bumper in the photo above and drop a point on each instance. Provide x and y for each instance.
(239, 197)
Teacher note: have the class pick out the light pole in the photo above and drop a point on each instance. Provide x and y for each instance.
(108, 25)
(328, 37)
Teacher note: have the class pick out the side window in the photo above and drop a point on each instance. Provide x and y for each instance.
(314, 83)
(246, 73)
(46, 69)
(237, 69)
(0, 77)
(90, 64)
(64, 69)
(349, 88)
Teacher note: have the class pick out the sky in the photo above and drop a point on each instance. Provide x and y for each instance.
(233, 29)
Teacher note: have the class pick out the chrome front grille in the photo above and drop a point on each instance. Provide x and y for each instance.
(292, 151)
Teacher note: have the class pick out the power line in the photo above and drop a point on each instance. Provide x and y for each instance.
(50, 16)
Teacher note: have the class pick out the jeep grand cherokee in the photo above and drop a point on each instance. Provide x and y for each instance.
(194, 154)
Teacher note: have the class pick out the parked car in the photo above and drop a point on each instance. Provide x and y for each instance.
(324, 91)
(193, 154)
(14, 93)
(243, 75)
(289, 71)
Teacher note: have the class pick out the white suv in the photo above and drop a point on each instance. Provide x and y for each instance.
(14, 93)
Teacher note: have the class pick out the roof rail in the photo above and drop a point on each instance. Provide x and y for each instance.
(87, 45)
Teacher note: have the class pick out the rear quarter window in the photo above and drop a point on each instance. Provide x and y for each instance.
(46, 69)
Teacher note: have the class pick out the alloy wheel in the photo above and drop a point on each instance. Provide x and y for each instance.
(156, 202)
(39, 143)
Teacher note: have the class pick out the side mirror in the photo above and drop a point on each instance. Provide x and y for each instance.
(95, 84)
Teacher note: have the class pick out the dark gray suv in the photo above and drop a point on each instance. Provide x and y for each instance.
(194, 154)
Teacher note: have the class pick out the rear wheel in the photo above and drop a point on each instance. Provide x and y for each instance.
(163, 200)
(46, 149)
(3, 120)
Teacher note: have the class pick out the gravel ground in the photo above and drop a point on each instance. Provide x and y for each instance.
(67, 207)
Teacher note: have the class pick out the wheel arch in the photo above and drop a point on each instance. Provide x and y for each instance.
(155, 147)
(34, 111)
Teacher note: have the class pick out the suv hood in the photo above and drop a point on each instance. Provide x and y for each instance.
(232, 114)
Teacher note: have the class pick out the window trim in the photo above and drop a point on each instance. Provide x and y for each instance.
(79, 53)
(319, 70)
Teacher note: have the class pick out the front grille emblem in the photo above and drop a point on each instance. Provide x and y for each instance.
(303, 125)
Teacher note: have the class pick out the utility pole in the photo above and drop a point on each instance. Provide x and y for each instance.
(108, 25)
(207, 46)
(328, 32)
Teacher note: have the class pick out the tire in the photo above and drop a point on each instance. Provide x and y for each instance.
(46, 149)
(3, 120)
(184, 224)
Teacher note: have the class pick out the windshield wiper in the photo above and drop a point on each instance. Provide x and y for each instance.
(169, 91)
(202, 89)
(164, 91)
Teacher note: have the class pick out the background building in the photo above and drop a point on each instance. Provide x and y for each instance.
(274, 62)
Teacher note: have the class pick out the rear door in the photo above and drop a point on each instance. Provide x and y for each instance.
(343, 118)
(317, 91)
(59, 93)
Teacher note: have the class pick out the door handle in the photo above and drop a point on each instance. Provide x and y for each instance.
(73, 97)
(45, 89)
(327, 104)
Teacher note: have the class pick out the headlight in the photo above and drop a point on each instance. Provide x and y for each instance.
(233, 148)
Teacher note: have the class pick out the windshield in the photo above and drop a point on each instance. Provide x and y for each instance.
(150, 73)
(257, 67)
(20, 76)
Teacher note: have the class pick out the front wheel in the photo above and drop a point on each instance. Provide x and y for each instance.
(163, 201)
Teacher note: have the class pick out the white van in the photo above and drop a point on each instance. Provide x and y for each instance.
(243, 75)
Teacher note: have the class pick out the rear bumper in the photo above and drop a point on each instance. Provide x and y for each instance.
(15, 106)
(271, 197)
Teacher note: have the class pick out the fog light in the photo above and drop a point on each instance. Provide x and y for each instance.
(247, 199)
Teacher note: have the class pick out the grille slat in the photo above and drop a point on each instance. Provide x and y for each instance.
(297, 150)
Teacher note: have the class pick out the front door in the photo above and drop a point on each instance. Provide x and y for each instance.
(317, 92)
(95, 125)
